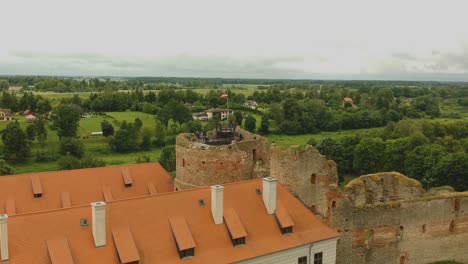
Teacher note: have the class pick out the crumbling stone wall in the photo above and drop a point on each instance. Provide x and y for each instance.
(383, 218)
(199, 164)
(407, 224)
(306, 173)
(303, 171)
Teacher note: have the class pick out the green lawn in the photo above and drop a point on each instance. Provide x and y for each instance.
(94, 145)
(285, 140)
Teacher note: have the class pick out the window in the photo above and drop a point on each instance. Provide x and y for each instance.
(37, 195)
(302, 260)
(318, 258)
(238, 241)
(287, 230)
(254, 154)
(313, 178)
(187, 253)
(128, 185)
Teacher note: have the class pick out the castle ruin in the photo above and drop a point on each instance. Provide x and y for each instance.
(382, 218)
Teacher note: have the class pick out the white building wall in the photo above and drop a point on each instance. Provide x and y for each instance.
(291, 256)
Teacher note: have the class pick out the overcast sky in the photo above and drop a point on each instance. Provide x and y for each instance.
(408, 39)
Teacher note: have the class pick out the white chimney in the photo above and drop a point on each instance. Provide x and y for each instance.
(269, 194)
(4, 237)
(99, 223)
(217, 203)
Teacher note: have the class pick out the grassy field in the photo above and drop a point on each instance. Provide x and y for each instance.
(94, 145)
(301, 140)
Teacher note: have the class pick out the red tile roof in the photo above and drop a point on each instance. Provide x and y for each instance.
(148, 221)
(59, 251)
(83, 187)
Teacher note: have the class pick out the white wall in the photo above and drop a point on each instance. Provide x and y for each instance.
(290, 256)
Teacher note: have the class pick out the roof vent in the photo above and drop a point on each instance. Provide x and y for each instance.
(258, 191)
(84, 222)
(201, 202)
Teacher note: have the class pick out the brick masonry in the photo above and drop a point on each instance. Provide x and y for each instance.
(382, 218)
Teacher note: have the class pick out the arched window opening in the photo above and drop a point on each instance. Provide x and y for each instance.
(452, 226)
(402, 260)
(313, 178)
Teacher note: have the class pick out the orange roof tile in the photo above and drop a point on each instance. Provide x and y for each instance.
(59, 251)
(283, 216)
(83, 186)
(10, 207)
(126, 248)
(233, 223)
(181, 233)
(147, 218)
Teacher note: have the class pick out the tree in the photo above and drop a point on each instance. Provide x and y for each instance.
(160, 133)
(167, 158)
(31, 132)
(138, 123)
(71, 146)
(238, 116)
(422, 160)
(369, 155)
(264, 125)
(41, 131)
(334, 151)
(146, 139)
(67, 121)
(5, 169)
(15, 142)
(452, 170)
(92, 162)
(250, 123)
(121, 141)
(107, 128)
(69, 163)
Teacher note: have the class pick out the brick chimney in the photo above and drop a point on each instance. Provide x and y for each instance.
(99, 223)
(4, 237)
(269, 194)
(217, 203)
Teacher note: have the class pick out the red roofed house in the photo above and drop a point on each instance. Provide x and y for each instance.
(347, 100)
(256, 221)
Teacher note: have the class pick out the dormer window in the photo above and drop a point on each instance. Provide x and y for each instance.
(187, 253)
(238, 241)
(183, 237)
(235, 228)
(286, 230)
(283, 219)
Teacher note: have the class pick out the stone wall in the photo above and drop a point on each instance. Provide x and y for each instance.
(199, 164)
(406, 225)
(306, 173)
(383, 218)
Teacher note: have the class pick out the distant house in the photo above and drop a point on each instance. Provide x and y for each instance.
(202, 116)
(250, 104)
(222, 113)
(30, 118)
(96, 134)
(15, 88)
(347, 100)
(27, 112)
(5, 114)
